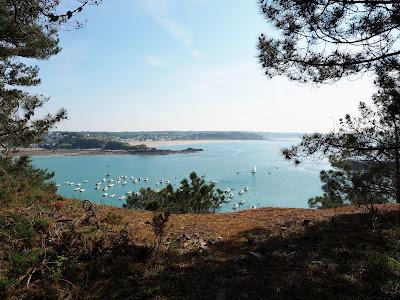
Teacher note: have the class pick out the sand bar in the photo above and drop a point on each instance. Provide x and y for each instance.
(176, 142)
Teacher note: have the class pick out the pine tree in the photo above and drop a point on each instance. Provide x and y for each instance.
(28, 32)
(193, 196)
(364, 150)
(323, 41)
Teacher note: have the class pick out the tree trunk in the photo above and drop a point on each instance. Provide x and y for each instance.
(397, 176)
(397, 163)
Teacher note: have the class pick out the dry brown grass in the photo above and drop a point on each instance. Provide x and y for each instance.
(298, 253)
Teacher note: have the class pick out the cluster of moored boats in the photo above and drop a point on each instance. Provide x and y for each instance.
(229, 196)
(106, 185)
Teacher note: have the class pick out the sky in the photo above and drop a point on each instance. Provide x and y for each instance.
(141, 65)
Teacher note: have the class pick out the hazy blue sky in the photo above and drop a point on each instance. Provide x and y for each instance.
(182, 65)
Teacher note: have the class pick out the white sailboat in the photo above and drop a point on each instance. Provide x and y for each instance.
(254, 171)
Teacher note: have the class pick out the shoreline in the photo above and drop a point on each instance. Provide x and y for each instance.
(99, 152)
(177, 142)
(153, 145)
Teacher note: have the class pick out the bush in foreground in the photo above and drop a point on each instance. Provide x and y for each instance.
(194, 196)
(21, 181)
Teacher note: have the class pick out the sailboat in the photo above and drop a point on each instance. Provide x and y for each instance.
(254, 171)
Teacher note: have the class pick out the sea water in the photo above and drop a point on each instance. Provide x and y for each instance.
(277, 183)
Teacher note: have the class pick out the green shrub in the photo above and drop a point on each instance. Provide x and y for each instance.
(380, 269)
(40, 224)
(20, 181)
(113, 218)
(5, 196)
(30, 199)
(22, 262)
(4, 283)
(23, 228)
(194, 196)
(57, 270)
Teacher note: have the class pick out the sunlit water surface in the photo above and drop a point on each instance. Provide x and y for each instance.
(277, 182)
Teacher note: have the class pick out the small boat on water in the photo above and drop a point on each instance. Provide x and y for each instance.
(241, 192)
(235, 206)
(241, 202)
(105, 194)
(227, 199)
(112, 196)
(253, 207)
(254, 170)
(246, 188)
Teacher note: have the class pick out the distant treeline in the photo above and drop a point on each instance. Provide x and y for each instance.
(77, 142)
(177, 135)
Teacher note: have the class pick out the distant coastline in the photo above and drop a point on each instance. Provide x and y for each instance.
(87, 152)
(162, 143)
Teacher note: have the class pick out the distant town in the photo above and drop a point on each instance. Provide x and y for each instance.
(89, 139)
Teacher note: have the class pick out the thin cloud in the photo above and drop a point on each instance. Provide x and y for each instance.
(161, 12)
(176, 30)
(197, 53)
(154, 61)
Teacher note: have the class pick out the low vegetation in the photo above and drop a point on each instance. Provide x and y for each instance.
(21, 182)
(78, 250)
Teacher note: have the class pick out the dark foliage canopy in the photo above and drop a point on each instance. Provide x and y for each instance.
(323, 41)
(28, 31)
(355, 182)
(194, 196)
(21, 181)
(364, 149)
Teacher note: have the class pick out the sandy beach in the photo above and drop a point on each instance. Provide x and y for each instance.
(156, 144)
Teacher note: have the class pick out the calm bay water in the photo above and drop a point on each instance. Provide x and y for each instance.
(277, 182)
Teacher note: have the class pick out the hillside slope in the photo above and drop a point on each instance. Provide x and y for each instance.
(82, 251)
